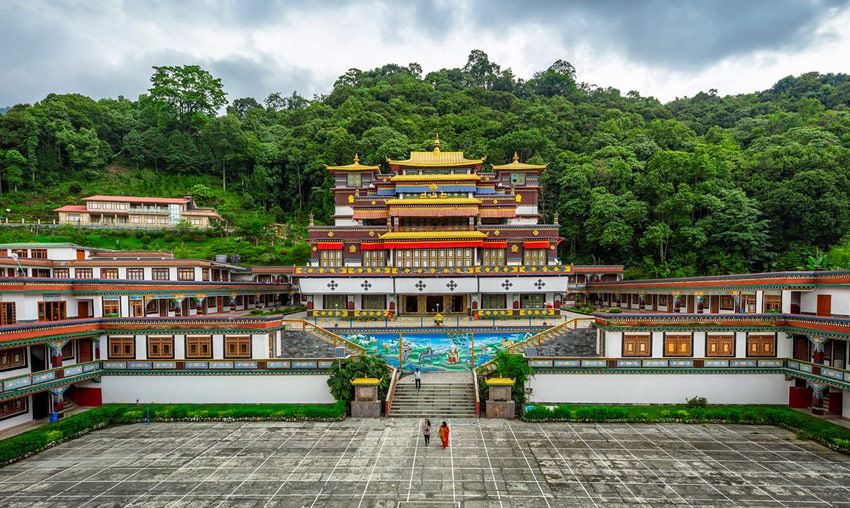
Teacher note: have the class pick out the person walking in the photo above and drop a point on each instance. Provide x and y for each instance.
(426, 431)
(444, 435)
(417, 376)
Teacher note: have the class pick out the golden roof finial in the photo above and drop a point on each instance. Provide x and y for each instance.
(516, 158)
(356, 160)
(437, 144)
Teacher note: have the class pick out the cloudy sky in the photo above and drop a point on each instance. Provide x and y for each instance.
(663, 48)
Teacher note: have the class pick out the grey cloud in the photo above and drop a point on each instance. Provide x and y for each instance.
(671, 33)
(49, 46)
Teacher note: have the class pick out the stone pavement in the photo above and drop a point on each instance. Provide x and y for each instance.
(360, 463)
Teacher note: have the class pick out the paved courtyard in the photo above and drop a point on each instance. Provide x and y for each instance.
(359, 463)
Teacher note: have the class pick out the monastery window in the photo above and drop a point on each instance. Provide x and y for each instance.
(772, 303)
(374, 258)
(237, 346)
(150, 220)
(678, 345)
(21, 253)
(137, 308)
(10, 408)
(61, 273)
(41, 272)
(353, 179)
(7, 313)
(38, 253)
(135, 273)
(135, 219)
(108, 273)
(122, 347)
(111, 307)
(51, 311)
(332, 302)
(83, 273)
(761, 345)
(161, 347)
(434, 258)
(330, 258)
(160, 274)
(662, 301)
(374, 302)
(493, 257)
(185, 274)
(748, 303)
(720, 345)
(73, 217)
(494, 301)
(205, 274)
(727, 302)
(637, 345)
(518, 179)
(534, 257)
(198, 347)
(13, 358)
(533, 301)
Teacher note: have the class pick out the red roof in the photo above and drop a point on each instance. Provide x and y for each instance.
(135, 199)
(70, 208)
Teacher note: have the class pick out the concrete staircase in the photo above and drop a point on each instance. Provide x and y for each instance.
(301, 344)
(437, 399)
(570, 343)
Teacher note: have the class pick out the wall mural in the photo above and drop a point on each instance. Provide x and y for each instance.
(436, 351)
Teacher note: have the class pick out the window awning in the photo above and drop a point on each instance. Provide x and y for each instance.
(330, 246)
(536, 244)
(495, 245)
(372, 246)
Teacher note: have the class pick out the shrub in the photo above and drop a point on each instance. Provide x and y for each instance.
(697, 402)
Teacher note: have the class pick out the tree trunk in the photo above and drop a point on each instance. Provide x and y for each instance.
(223, 178)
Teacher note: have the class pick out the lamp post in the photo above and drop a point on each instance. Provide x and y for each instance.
(14, 256)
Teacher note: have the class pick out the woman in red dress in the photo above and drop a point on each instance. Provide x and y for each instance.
(444, 435)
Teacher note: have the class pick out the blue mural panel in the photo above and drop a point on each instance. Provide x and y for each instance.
(437, 351)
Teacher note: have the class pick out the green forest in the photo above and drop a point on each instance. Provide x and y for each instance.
(701, 185)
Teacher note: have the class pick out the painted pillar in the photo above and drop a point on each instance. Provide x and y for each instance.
(700, 306)
(642, 304)
(233, 303)
(818, 349)
(96, 347)
(56, 353)
(818, 390)
(178, 311)
(58, 399)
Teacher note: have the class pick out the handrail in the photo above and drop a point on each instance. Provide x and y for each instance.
(391, 391)
(534, 340)
(475, 389)
(328, 336)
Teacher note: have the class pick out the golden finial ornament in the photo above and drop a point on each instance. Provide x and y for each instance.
(516, 158)
(437, 144)
(556, 218)
(312, 222)
(356, 159)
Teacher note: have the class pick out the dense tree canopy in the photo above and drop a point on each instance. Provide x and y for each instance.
(706, 184)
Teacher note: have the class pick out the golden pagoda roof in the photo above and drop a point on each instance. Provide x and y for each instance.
(434, 201)
(516, 164)
(436, 178)
(433, 235)
(436, 158)
(354, 167)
